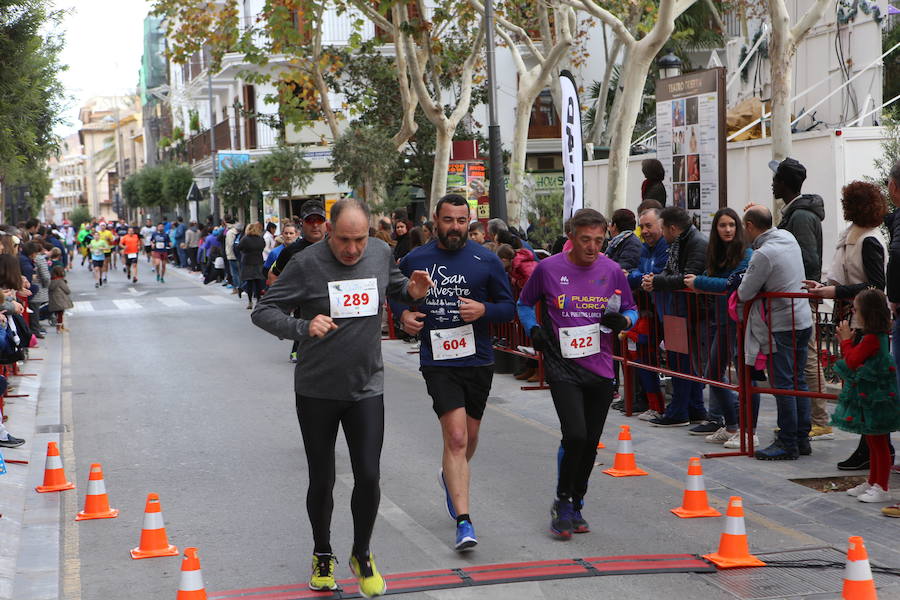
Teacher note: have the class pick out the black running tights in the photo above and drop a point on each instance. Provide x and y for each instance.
(582, 413)
(363, 423)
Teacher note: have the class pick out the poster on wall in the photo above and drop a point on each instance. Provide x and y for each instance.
(271, 210)
(467, 178)
(690, 142)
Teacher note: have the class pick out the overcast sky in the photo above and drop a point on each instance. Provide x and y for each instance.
(104, 44)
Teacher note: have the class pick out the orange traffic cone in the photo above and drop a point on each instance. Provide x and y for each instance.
(694, 503)
(600, 445)
(734, 551)
(191, 585)
(154, 541)
(54, 476)
(624, 465)
(96, 503)
(858, 582)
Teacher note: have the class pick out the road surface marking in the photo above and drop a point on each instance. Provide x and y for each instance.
(173, 302)
(127, 304)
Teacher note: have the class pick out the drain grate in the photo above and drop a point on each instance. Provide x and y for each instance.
(772, 583)
(55, 428)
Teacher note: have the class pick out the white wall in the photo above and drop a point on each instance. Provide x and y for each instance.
(831, 162)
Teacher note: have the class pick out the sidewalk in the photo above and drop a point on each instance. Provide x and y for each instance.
(30, 525)
(826, 519)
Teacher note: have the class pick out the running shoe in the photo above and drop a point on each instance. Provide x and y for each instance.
(665, 421)
(443, 483)
(859, 490)
(162, 279)
(465, 536)
(649, 415)
(371, 583)
(561, 515)
(719, 437)
(820, 433)
(891, 511)
(11, 442)
(322, 577)
(293, 357)
(735, 441)
(876, 493)
(704, 428)
(579, 525)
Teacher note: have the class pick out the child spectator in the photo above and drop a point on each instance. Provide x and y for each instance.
(868, 403)
(56, 258)
(60, 299)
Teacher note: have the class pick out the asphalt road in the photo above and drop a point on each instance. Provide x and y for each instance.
(175, 392)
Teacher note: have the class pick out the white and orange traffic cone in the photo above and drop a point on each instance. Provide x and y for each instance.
(154, 541)
(624, 464)
(694, 502)
(54, 475)
(858, 582)
(734, 550)
(191, 585)
(96, 502)
(600, 445)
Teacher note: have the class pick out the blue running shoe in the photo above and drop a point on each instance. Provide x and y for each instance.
(561, 516)
(450, 510)
(465, 537)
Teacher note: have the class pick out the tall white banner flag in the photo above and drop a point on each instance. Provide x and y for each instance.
(573, 164)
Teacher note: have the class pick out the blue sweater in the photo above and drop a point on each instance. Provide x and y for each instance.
(471, 272)
(653, 260)
(718, 282)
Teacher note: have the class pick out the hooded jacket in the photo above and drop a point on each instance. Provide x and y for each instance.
(803, 218)
(625, 250)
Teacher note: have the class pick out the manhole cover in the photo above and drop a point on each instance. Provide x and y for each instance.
(831, 484)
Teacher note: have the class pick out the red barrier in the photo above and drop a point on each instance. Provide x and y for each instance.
(692, 338)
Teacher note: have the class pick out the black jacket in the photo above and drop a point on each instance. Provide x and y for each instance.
(251, 247)
(691, 261)
(892, 222)
(803, 218)
(627, 252)
(655, 191)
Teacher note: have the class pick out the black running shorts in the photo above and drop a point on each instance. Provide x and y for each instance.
(459, 387)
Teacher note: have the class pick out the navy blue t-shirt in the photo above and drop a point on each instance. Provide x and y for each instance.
(473, 272)
(160, 238)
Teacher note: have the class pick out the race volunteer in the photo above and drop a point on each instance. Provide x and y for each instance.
(456, 357)
(313, 215)
(339, 287)
(131, 248)
(160, 243)
(575, 288)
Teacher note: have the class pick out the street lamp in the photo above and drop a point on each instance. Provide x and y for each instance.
(669, 65)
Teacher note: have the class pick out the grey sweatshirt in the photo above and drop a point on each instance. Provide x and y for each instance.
(777, 266)
(346, 364)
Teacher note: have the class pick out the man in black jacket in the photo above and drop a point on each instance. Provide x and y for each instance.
(802, 216)
(687, 255)
(624, 247)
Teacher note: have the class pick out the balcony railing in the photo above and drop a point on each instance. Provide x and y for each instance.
(199, 147)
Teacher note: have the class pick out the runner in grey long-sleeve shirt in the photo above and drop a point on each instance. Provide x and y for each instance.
(339, 286)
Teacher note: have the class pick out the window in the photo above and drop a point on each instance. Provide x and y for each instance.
(544, 120)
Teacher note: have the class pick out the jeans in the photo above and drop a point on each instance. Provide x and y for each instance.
(687, 396)
(235, 268)
(786, 373)
(182, 254)
(722, 338)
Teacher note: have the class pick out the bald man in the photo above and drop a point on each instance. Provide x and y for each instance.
(777, 266)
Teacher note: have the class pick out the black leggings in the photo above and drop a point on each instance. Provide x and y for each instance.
(582, 411)
(363, 423)
(253, 287)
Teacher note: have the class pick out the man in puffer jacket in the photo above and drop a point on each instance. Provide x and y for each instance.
(802, 216)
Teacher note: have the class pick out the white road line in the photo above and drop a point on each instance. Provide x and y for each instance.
(173, 302)
(83, 306)
(218, 299)
(127, 304)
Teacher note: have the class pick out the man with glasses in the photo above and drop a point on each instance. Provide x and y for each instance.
(312, 214)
